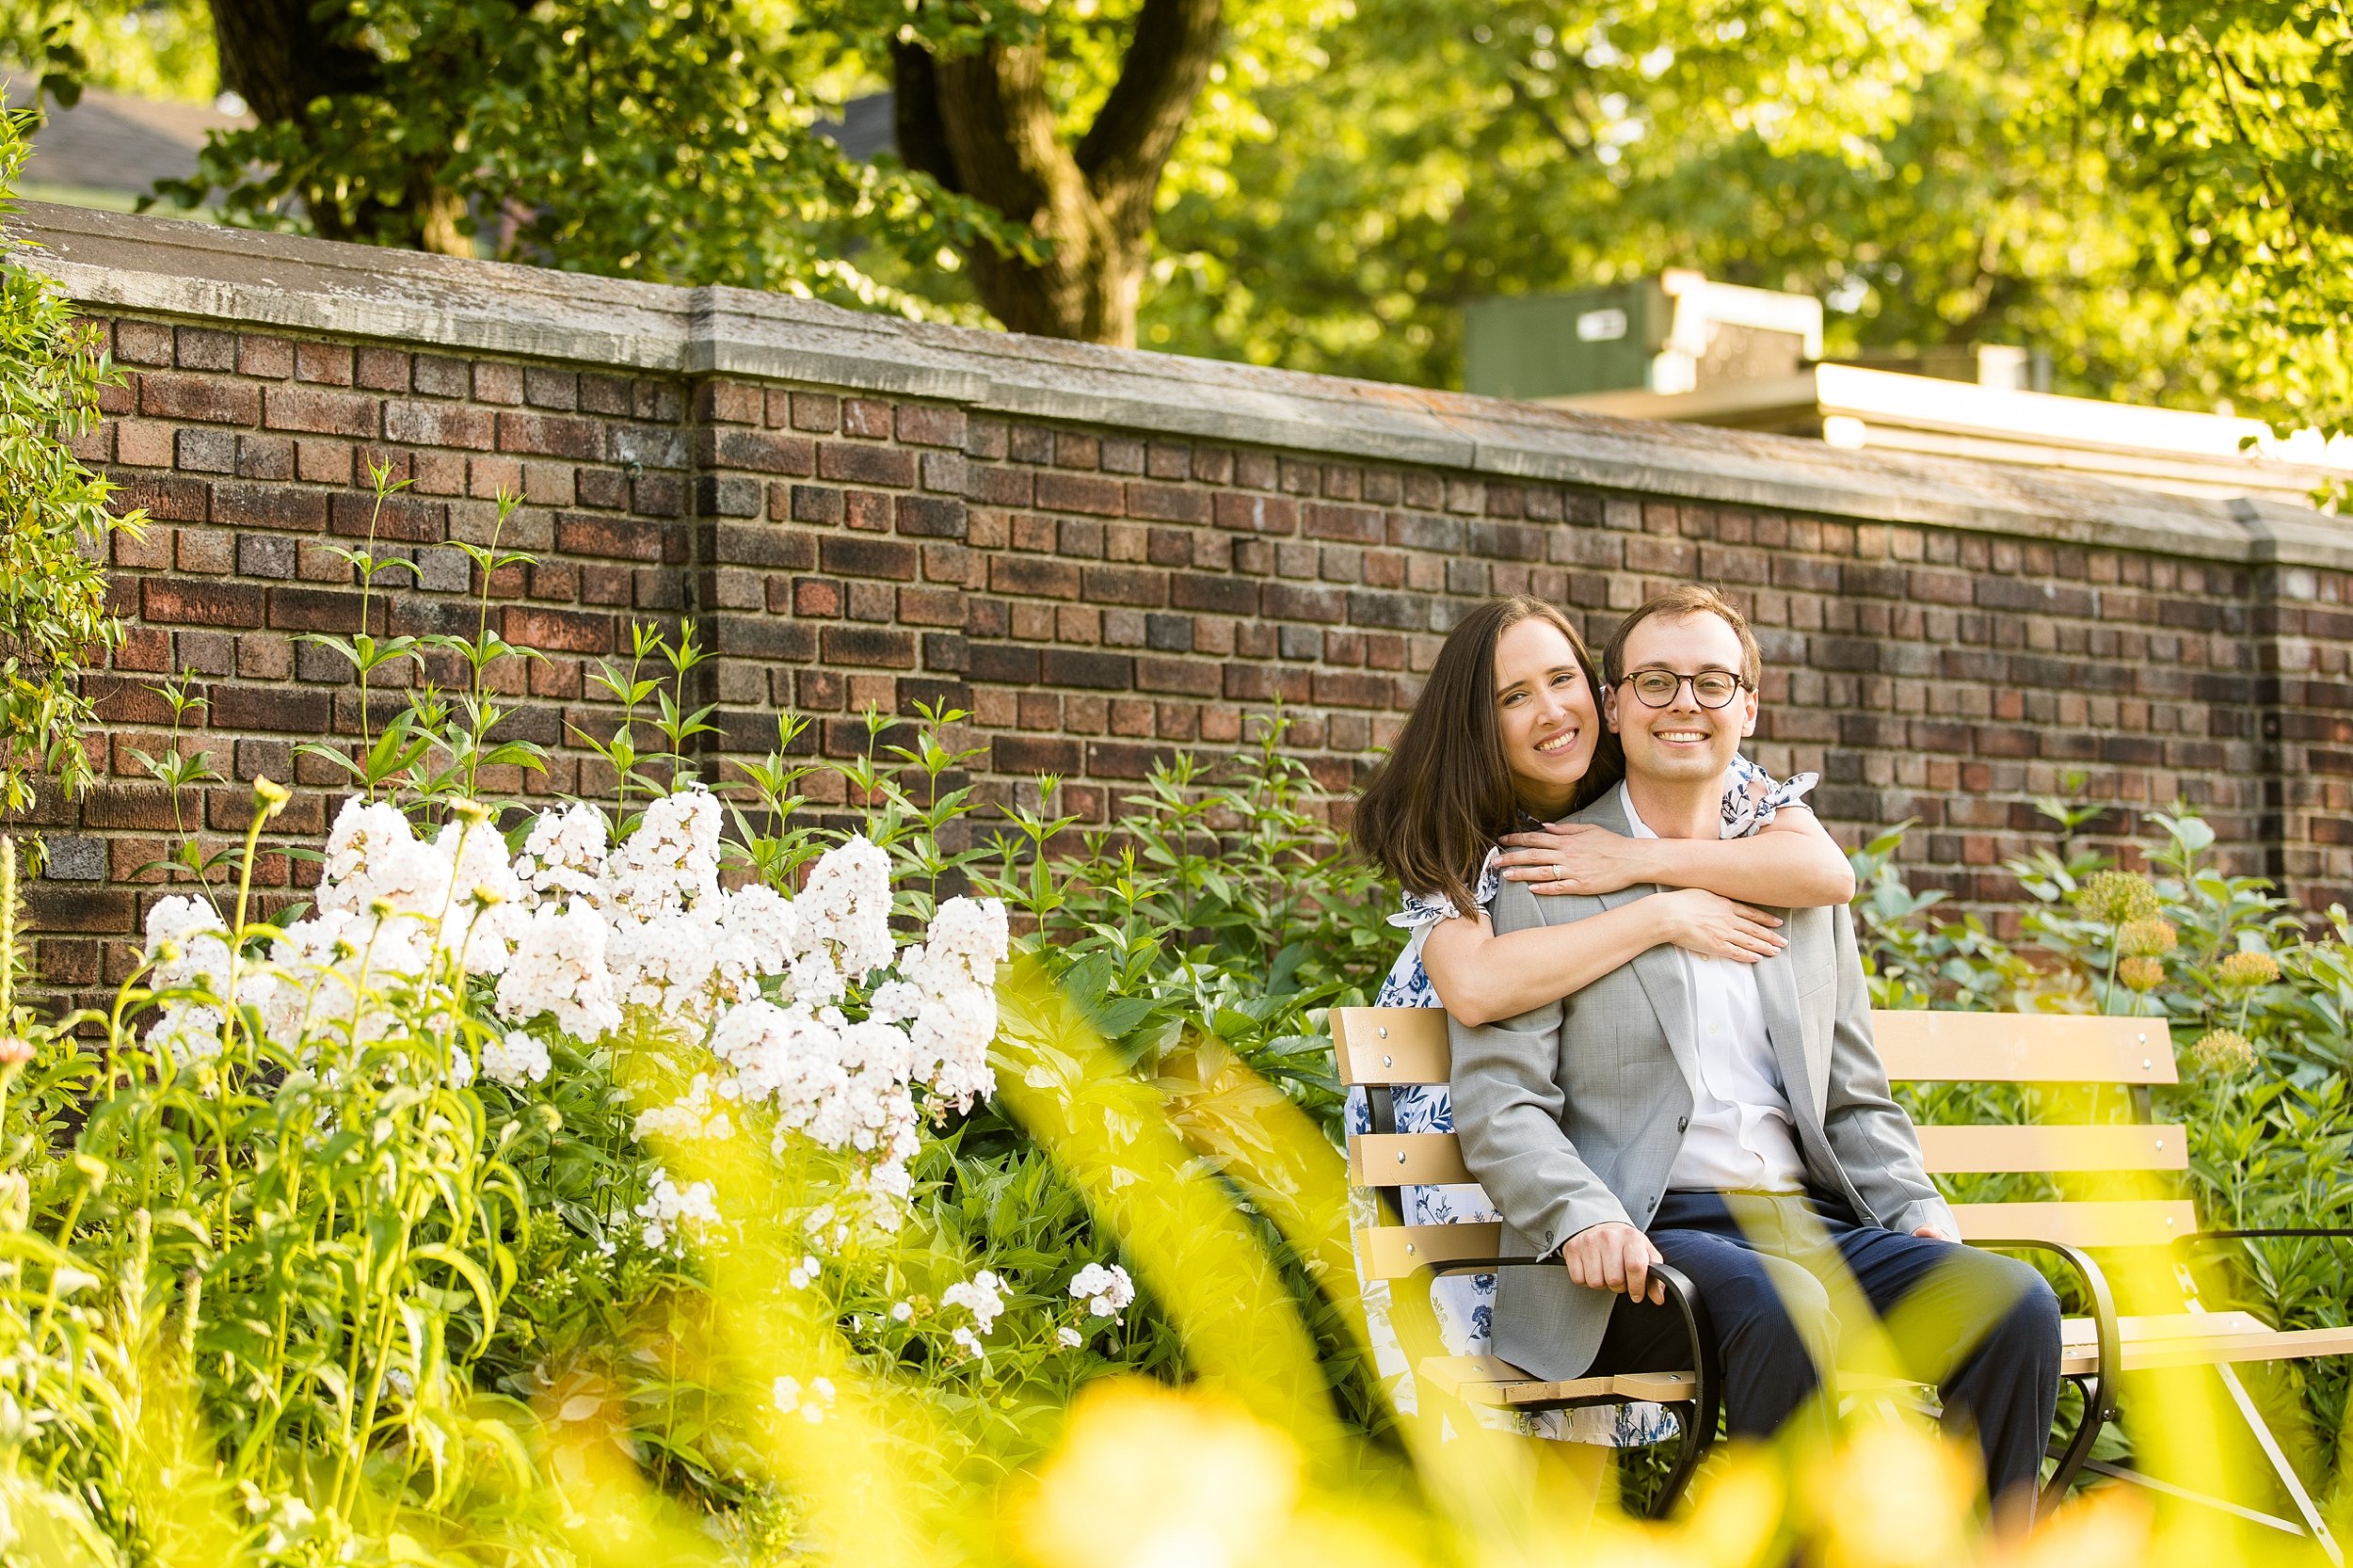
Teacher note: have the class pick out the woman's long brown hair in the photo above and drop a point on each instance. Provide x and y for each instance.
(1444, 795)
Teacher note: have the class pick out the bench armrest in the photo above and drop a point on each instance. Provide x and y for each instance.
(2102, 1298)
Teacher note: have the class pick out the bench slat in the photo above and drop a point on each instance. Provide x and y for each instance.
(1391, 1045)
(2023, 1048)
(2128, 1146)
(2261, 1345)
(1406, 1160)
(1393, 1252)
(2137, 1222)
(1490, 1380)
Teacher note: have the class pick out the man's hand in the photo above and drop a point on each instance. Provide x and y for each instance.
(1933, 1233)
(1615, 1256)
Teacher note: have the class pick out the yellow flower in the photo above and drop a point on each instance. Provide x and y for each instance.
(2224, 1052)
(2114, 898)
(2147, 938)
(2141, 974)
(2243, 971)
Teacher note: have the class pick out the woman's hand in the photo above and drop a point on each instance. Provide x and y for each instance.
(1714, 926)
(1575, 857)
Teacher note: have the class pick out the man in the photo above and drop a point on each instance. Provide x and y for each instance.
(1733, 1119)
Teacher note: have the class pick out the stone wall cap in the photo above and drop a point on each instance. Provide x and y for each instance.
(197, 271)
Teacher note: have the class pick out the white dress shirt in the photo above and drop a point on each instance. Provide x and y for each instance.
(1742, 1137)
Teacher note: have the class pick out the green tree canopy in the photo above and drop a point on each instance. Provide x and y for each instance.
(2154, 193)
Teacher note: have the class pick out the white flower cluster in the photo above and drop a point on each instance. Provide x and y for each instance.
(1106, 1292)
(671, 1211)
(811, 1401)
(574, 932)
(983, 1295)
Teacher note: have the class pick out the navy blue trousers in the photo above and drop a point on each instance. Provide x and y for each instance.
(1982, 1327)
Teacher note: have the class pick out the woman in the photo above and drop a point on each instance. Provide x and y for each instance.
(1506, 737)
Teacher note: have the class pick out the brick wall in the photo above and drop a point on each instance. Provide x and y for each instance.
(1099, 595)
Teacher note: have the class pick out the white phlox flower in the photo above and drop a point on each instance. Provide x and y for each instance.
(373, 856)
(983, 1295)
(803, 1272)
(558, 968)
(488, 913)
(1068, 1337)
(515, 1060)
(1106, 1292)
(563, 857)
(811, 1401)
(702, 1115)
(842, 932)
(672, 1212)
(671, 860)
(190, 1032)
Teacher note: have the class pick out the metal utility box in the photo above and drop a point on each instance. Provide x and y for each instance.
(1668, 334)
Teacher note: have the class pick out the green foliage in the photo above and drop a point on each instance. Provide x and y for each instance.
(54, 523)
(641, 140)
(2260, 1018)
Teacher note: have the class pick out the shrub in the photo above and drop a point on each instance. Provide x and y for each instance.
(53, 523)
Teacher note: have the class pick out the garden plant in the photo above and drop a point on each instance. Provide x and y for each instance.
(696, 1174)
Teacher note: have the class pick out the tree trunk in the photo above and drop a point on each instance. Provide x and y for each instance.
(281, 54)
(983, 124)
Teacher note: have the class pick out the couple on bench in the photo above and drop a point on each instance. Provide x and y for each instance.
(1662, 1043)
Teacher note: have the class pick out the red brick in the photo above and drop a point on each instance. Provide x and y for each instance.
(328, 363)
(922, 425)
(169, 394)
(1079, 492)
(200, 603)
(868, 646)
(323, 413)
(418, 423)
(1258, 514)
(761, 451)
(556, 631)
(551, 436)
(866, 465)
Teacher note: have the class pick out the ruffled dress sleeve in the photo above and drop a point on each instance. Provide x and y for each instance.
(1408, 983)
(1751, 796)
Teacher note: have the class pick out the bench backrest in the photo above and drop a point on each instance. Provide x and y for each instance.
(1383, 1049)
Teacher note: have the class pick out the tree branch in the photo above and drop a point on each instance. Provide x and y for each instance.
(915, 116)
(1166, 64)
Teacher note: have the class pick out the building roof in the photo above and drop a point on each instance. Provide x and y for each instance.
(2213, 455)
(113, 145)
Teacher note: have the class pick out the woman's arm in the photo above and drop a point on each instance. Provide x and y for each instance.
(1790, 862)
(1481, 977)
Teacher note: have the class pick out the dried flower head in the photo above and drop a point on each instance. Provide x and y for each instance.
(2114, 897)
(270, 795)
(2141, 974)
(2147, 938)
(2224, 1052)
(2243, 971)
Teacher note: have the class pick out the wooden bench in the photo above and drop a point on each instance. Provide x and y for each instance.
(1381, 1050)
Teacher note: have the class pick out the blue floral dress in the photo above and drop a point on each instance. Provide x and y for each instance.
(1465, 1304)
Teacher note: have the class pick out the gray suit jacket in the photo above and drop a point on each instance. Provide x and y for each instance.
(1572, 1115)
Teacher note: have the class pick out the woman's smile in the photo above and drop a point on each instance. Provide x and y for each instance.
(1545, 713)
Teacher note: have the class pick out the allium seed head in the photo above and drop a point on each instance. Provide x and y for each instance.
(2114, 897)
(2141, 974)
(2147, 938)
(2243, 971)
(2224, 1052)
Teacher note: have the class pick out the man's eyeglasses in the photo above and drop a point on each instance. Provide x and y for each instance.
(1709, 688)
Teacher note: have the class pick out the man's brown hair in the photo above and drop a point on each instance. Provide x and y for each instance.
(1684, 598)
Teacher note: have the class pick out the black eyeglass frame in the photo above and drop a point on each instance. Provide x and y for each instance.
(1739, 683)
